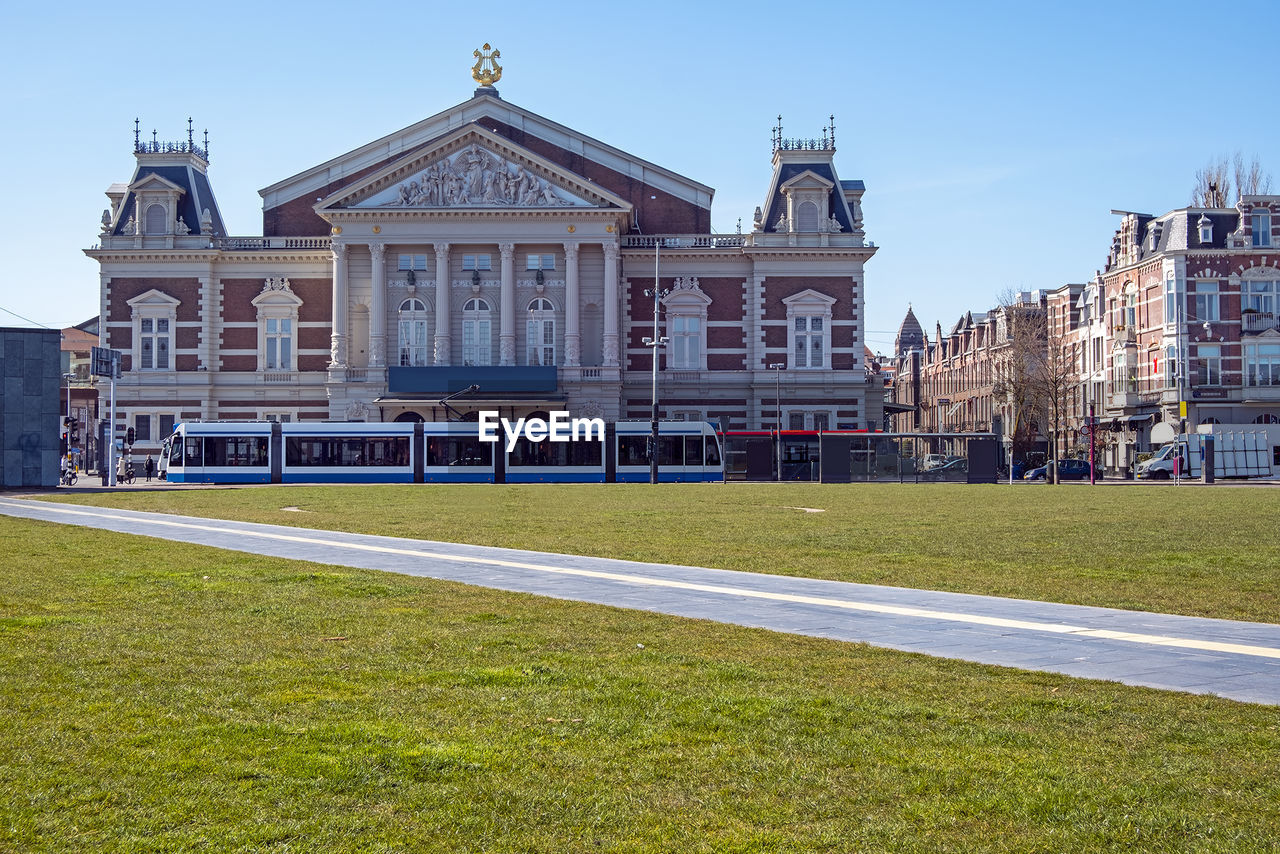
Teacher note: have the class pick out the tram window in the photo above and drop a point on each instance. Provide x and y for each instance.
(175, 453)
(235, 451)
(670, 451)
(631, 451)
(713, 452)
(195, 450)
(458, 451)
(548, 453)
(346, 452)
(692, 450)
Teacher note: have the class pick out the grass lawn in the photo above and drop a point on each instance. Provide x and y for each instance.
(1202, 551)
(164, 698)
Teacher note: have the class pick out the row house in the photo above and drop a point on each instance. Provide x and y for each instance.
(952, 383)
(1181, 328)
(1190, 318)
(487, 246)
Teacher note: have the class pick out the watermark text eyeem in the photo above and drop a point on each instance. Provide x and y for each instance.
(559, 428)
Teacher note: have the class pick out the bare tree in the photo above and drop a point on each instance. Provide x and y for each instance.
(1018, 363)
(1214, 183)
(1055, 385)
(1250, 179)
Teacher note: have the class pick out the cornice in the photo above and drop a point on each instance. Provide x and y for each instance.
(209, 256)
(465, 213)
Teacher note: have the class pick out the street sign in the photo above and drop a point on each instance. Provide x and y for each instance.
(1182, 409)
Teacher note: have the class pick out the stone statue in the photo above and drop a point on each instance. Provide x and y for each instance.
(834, 226)
(782, 226)
(129, 227)
(106, 222)
(758, 221)
(206, 222)
(181, 227)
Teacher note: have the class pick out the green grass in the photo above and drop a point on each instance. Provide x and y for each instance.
(170, 698)
(1204, 552)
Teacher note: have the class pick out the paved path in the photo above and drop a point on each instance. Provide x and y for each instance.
(1231, 659)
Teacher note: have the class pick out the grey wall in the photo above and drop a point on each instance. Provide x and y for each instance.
(31, 370)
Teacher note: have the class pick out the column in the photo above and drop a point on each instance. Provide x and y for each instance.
(338, 340)
(378, 307)
(507, 306)
(443, 309)
(572, 337)
(610, 349)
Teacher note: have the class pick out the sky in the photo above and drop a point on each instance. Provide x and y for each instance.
(994, 138)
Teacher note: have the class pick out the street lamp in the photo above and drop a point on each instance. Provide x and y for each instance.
(777, 367)
(655, 342)
(67, 423)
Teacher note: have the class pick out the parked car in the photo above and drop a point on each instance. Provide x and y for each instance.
(956, 469)
(1067, 470)
(932, 461)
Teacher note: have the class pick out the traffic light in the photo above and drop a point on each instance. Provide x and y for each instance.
(128, 436)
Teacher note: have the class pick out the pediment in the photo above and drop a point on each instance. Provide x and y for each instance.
(153, 183)
(154, 299)
(472, 169)
(807, 180)
(811, 298)
(1269, 334)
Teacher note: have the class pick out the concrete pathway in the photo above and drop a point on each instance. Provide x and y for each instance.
(1237, 660)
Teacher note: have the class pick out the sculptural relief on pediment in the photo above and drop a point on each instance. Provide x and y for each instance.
(471, 177)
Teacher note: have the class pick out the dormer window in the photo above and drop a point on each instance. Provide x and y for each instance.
(1206, 229)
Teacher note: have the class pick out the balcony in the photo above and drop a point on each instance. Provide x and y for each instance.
(1256, 322)
(1123, 400)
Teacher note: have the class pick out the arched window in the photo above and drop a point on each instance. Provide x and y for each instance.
(1267, 418)
(155, 219)
(541, 332)
(807, 217)
(477, 347)
(414, 346)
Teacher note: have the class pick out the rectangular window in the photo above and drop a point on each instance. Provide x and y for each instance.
(142, 428)
(1261, 229)
(1261, 296)
(1206, 301)
(1170, 365)
(279, 343)
(808, 349)
(153, 343)
(1210, 364)
(686, 343)
(477, 262)
(1262, 364)
(166, 426)
(540, 262)
(1170, 301)
(413, 262)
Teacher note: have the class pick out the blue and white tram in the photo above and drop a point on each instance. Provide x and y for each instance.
(432, 452)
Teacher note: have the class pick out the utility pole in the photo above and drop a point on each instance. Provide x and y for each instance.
(777, 367)
(655, 343)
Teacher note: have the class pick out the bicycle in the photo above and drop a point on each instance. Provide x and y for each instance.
(69, 477)
(128, 475)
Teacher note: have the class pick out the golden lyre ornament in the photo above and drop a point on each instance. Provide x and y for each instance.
(486, 71)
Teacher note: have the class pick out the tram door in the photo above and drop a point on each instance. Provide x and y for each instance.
(276, 452)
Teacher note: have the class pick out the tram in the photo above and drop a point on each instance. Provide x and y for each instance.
(433, 452)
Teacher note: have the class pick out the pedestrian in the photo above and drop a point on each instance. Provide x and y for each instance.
(63, 467)
(120, 468)
(149, 467)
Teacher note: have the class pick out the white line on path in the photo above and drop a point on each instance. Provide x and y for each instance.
(726, 590)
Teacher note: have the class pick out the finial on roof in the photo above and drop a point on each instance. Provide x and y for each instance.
(137, 135)
(191, 134)
(486, 71)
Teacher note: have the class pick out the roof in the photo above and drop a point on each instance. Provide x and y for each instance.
(785, 171)
(485, 105)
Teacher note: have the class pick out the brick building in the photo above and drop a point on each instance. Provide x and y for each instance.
(1185, 311)
(485, 245)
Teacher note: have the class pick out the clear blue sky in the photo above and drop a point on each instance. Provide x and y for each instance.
(994, 138)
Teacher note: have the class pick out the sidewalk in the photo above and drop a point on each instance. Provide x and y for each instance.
(1236, 660)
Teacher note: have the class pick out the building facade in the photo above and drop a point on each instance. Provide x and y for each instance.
(486, 246)
(1184, 315)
